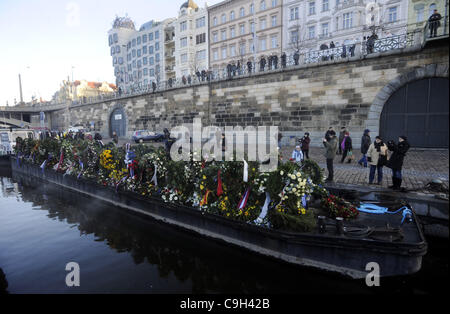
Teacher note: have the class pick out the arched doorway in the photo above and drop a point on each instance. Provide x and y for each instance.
(418, 110)
(118, 122)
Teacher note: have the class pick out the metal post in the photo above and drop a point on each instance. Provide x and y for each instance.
(20, 89)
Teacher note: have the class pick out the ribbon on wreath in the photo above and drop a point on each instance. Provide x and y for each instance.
(219, 184)
(61, 158)
(264, 210)
(155, 176)
(244, 199)
(82, 167)
(205, 198)
(245, 171)
(120, 182)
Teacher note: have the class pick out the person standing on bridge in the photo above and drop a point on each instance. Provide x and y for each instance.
(434, 23)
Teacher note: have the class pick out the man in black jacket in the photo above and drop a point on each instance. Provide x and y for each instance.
(396, 161)
(365, 144)
(434, 23)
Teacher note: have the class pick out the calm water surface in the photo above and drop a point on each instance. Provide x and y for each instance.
(42, 228)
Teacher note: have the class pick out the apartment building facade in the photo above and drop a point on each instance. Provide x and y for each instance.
(191, 39)
(138, 56)
(244, 30)
(308, 24)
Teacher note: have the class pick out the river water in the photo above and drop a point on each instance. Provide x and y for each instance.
(42, 228)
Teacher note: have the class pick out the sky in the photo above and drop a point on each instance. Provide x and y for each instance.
(45, 41)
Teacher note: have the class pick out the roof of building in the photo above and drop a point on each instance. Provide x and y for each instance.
(189, 4)
(123, 22)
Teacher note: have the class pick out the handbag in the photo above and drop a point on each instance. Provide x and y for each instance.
(350, 156)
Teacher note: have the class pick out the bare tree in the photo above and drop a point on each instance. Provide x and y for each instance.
(297, 43)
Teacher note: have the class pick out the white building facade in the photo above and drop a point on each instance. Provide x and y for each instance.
(308, 24)
(191, 40)
(138, 56)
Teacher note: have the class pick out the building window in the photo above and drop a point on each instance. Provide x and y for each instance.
(139, 53)
(144, 50)
(150, 36)
(215, 37)
(432, 8)
(224, 52)
(420, 13)
(252, 8)
(311, 32)
(133, 42)
(223, 18)
(201, 22)
(274, 3)
(150, 50)
(115, 60)
(294, 13)
(215, 21)
(252, 27)
(393, 14)
(262, 24)
(156, 46)
(274, 41)
(312, 8)
(139, 63)
(183, 42)
(144, 61)
(263, 45)
(347, 20)
(152, 72)
(151, 60)
(183, 26)
(113, 51)
(184, 58)
(223, 35)
(232, 32)
(242, 12)
(157, 57)
(156, 35)
(120, 60)
(325, 29)
(274, 21)
(133, 53)
(139, 40)
(110, 40)
(116, 37)
(242, 29)
(232, 51)
(325, 5)
(242, 49)
(263, 5)
(216, 55)
(232, 15)
(294, 36)
(144, 38)
(201, 55)
(200, 39)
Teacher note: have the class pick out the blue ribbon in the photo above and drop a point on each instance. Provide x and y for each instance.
(375, 209)
(82, 167)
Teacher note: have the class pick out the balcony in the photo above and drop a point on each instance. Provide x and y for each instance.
(344, 4)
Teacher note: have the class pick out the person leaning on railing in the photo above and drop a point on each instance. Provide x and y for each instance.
(434, 23)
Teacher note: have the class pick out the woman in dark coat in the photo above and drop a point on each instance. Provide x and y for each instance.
(396, 161)
(365, 144)
(304, 142)
(346, 147)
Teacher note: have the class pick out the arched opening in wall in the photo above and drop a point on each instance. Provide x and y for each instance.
(418, 110)
(118, 122)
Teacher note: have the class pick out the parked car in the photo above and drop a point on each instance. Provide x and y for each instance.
(147, 136)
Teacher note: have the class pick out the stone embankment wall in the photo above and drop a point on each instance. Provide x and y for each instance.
(309, 98)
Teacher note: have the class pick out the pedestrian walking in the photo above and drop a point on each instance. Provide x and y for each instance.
(296, 57)
(283, 60)
(434, 23)
(365, 143)
(347, 148)
(327, 134)
(304, 143)
(262, 64)
(331, 147)
(396, 161)
(377, 158)
(341, 138)
(115, 138)
(297, 155)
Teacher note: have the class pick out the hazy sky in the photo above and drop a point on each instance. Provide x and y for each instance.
(43, 39)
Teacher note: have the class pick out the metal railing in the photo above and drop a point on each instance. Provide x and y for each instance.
(345, 52)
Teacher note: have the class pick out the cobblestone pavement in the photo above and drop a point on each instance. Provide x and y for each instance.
(420, 167)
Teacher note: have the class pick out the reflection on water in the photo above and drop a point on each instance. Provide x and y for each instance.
(42, 228)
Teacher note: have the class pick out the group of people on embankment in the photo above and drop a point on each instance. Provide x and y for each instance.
(376, 154)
